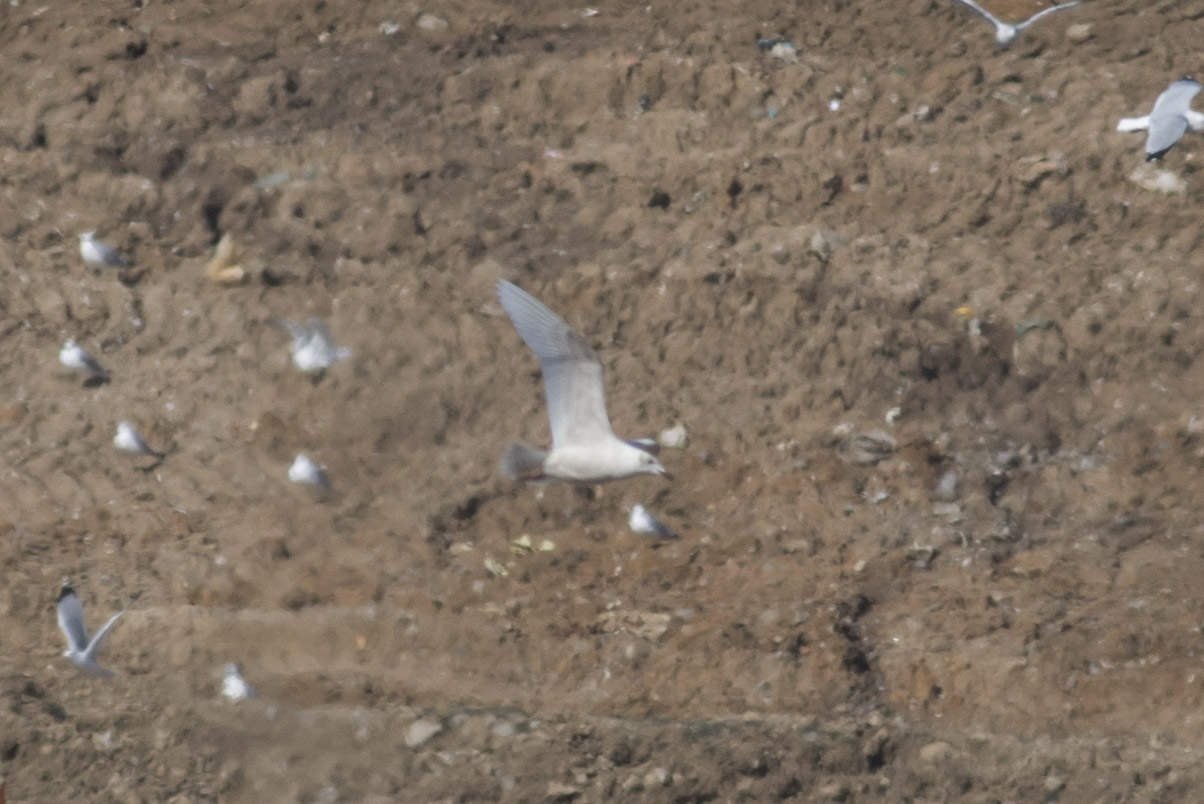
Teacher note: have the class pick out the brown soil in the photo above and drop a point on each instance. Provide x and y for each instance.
(951, 273)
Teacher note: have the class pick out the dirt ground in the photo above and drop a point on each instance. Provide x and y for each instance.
(936, 354)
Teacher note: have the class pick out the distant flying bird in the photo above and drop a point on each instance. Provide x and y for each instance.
(584, 447)
(100, 254)
(303, 470)
(76, 358)
(128, 440)
(1006, 33)
(643, 522)
(1171, 117)
(234, 687)
(313, 347)
(80, 650)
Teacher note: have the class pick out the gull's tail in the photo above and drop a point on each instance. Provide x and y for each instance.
(521, 462)
(1133, 123)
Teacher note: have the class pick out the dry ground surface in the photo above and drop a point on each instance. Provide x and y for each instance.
(937, 356)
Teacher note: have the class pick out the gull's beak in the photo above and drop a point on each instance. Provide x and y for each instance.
(665, 474)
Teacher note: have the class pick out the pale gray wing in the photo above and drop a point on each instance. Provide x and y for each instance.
(980, 10)
(108, 255)
(98, 639)
(295, 330)
(572, 372)
(1045, 12)
(1168, 120)
(93, 365)
(71, 619)
(318, 327)
(1176, 99)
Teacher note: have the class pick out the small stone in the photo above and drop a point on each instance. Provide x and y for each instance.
(784, 51)
(824, 243)
(674, 438)
(657, 776)
(867, 448)
(936, 752)
(558, 791)
(946, 487)
(1148, 176)
(834, 791)
(431, 23)
(950, 512)
(421, 731)
(1079, 32)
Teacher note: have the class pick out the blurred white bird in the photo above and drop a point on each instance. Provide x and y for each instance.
(97, 253)
(80, 650)
(74, 357)
(313, 347)
(234, 688)
(584, 447)
(128, 440)
(643, 522)
(1171, 117)
(1006, 33)
(303, 470)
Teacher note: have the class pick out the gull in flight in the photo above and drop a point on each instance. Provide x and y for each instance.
(313, 347)
(303, 470)
(99, 254)
(1171, 117)
(234, 687)
(74, 357)
(80, 650)
(128, 440)
(584, 448)
(1006, 33)
(643, 522)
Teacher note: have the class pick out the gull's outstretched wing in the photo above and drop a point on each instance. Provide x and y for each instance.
(572, 372)
(71, 619)
(318, 327)
(298, 332)
(1164, 131)
(980, 10)
(1046, 11)
(93, 365)
(98, 638)
(1176, 99)
(109, 255)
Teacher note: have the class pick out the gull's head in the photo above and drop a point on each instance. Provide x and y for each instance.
(232, 671)
(645, 463)
(1005, 34)
(87, 237)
